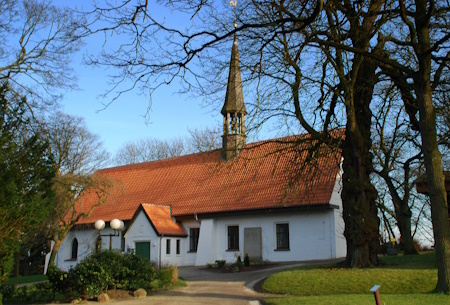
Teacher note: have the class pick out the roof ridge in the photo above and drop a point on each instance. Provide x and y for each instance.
(248, 146)
(140, 164)
(156, 205)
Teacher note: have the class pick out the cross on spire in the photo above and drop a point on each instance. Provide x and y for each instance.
(233, 4)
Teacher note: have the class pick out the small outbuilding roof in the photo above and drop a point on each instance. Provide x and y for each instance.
(161, 220)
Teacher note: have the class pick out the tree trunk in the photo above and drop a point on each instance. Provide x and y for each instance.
(358, 193)
(55, 249)
(431, 154)
(403, 217)
(438, 196)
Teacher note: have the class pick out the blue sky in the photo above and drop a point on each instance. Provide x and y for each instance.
(171, 114)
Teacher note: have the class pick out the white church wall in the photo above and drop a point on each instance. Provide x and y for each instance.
(311, 237)
(189, 257)
(207, 248)
(142, 231)
(87, 240)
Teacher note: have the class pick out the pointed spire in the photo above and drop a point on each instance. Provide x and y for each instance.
(233, 110)
(234, 98)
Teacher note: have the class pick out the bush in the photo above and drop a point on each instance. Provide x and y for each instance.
(59, 280)
(246, 260)
(28, 294)
(102, 271)
(90, 277)
(141, 273)
(220, 263)
(238, 262)
(94, 275)
(166, 277)
(7, 291)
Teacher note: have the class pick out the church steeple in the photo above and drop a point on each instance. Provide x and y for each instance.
(233, 110)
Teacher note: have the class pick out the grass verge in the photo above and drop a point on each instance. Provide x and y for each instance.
(359, 299)
(27, 279)
(403, 280)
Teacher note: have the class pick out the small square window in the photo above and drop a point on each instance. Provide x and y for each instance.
(282, 236)
(233, 237)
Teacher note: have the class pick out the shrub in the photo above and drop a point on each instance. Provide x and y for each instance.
(90, 277)
(7, 291)
(166, 277)
(246, 260)
(220, 263)
(103, 271)
(238, 264)
(125, 271)
(137, 272)
(59, 280)
(28, 294)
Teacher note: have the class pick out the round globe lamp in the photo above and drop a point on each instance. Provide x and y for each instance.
(115, 224)
(99, 225)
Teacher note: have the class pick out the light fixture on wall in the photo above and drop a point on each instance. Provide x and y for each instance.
(115, 224)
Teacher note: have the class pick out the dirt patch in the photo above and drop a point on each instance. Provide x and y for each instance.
(118, 294)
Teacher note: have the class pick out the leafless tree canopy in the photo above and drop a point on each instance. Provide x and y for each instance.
(150, 149)
(77, 151)
(314, 64)
(39, 40)
(204, 140)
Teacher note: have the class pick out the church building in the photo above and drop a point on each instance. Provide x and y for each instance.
(267, 200)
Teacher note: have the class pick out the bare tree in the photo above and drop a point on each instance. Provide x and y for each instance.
(76, 149)
(149, 150)
(38, 43)
(204, 140)
(397, 160)
(78, 153)
(422, 59)
(341, 44)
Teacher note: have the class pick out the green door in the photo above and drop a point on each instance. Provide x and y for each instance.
(143, 249)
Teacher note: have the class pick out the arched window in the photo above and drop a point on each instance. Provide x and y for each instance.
(74, 253)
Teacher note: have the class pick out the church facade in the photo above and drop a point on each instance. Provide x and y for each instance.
(269, 200)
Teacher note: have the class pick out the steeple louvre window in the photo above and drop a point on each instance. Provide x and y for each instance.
(234, 124)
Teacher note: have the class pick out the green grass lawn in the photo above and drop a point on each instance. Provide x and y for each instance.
(403, 280)
(26, 279)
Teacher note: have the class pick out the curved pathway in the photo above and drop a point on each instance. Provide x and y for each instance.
(206, 286)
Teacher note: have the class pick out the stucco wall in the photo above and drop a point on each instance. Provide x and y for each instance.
(86, 245)
(189, 258)
(142, 231)
(311, 236)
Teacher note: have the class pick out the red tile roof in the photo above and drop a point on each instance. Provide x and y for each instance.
(162, 220)
(266, 174)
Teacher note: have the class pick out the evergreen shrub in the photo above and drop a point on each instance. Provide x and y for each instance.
(102, 271)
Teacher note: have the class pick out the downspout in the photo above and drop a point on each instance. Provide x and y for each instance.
(160, 246)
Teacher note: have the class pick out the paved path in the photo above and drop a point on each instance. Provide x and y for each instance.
(211, 287)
